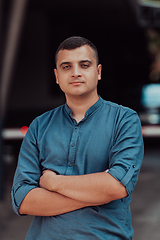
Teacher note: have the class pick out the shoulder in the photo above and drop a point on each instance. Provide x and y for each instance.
(44, 121)
(118, 109)
(120, 115)
(47, 116)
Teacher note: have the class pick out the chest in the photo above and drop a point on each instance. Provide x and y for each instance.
(77, 149)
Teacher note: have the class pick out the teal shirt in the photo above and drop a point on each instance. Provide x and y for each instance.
(109, 137)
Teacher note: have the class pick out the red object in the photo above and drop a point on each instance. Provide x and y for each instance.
(24, 130)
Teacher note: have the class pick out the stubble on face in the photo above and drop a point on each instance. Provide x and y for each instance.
(77, 72)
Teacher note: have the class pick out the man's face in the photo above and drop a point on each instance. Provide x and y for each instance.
(77, 72)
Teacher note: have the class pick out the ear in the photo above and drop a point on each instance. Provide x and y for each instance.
(56, 75)
(99, 71)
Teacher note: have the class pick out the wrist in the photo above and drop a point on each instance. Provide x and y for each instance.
(56, 183)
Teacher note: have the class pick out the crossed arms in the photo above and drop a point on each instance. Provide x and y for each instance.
(60, 194)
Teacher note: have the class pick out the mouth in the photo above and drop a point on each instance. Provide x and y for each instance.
(77, 83)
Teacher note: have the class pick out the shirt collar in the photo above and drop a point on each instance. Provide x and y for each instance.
(93, 108)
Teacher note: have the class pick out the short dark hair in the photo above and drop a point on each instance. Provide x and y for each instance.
(76, 42)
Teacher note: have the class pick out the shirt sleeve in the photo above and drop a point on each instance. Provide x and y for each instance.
(127, 150)
(28, 169)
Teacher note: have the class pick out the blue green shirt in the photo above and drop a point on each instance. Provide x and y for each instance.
(109, 137)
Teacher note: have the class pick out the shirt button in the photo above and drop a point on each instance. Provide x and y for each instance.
(72, 144)
(134, 166)
(76, 127)
(70, 165)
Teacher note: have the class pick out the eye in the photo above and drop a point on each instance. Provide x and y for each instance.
(66, 67)
(85, 65)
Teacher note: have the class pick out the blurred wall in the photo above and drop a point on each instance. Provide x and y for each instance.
(112, 27)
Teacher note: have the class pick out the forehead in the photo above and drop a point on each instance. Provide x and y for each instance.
(75, 55)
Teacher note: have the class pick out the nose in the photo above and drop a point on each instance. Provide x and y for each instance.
(76, 73)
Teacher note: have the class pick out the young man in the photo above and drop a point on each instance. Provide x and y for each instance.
(79, 163)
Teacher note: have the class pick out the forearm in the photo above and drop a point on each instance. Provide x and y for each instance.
(41, 202)
(96, 188)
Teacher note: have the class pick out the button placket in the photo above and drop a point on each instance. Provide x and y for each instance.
(72, 150)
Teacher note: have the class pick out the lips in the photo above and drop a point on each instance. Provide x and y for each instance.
(76, 82)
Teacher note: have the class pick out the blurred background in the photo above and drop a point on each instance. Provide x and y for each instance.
(127, 35)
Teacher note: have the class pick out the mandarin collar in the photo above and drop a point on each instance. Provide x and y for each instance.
(93, 108)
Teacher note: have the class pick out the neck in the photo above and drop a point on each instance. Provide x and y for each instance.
(80, 104)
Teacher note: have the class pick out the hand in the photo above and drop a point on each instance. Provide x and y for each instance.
(47, 180)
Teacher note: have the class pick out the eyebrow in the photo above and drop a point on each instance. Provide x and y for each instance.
(86, 61)
(82, 61)
(63, 63)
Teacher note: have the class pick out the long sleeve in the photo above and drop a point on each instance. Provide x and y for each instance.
(28, 169)
(126, 154)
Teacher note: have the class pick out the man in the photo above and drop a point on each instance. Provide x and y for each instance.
(79, 163)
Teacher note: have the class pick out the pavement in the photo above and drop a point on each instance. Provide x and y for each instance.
(145, 204)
